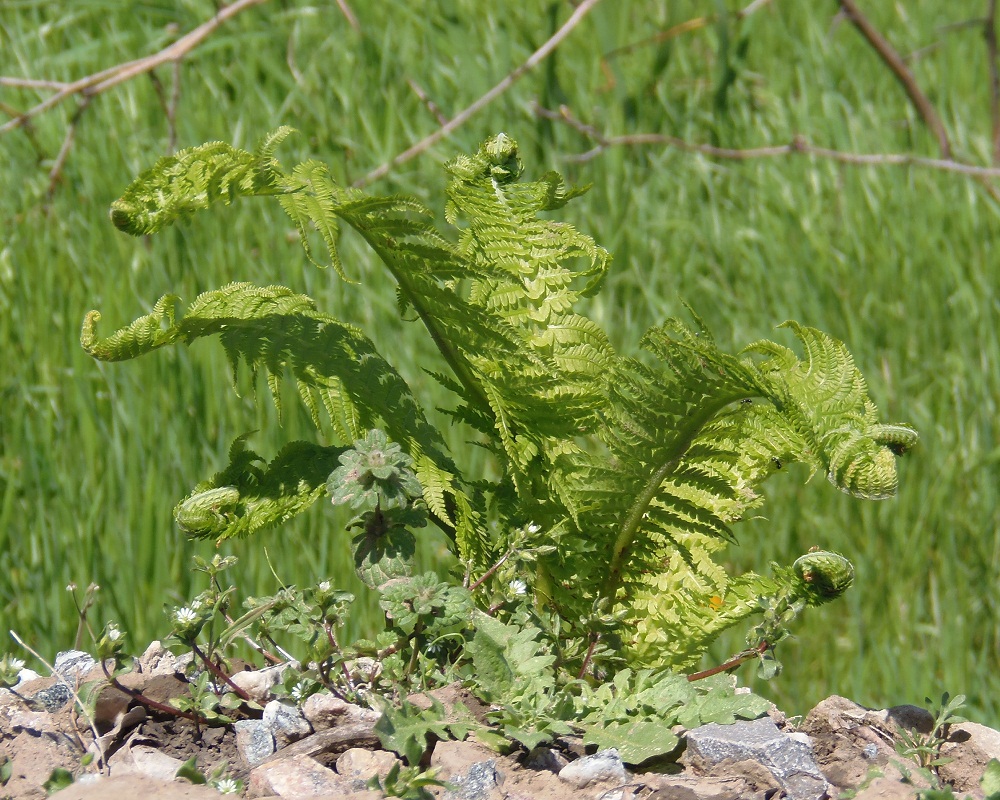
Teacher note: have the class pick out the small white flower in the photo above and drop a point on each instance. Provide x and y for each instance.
(185, 616)
(16, 664)
(518, 587)
(227, 786)
(324, 586)
(114, 634)
(534, 527)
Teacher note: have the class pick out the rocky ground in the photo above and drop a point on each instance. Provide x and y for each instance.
(327, 749)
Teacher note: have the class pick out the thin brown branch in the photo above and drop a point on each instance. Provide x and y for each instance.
(352, 20)
(105, 79)
(798, 146)
(990, 32)
(433, 107)
(31, 83)
(895, 63)
(463, 116)
(56, 172)
(733, 663)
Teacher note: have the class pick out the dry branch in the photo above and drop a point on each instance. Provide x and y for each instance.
(895, 63)
(101, 81)
(990, 32)
(463, 116)
(798, 146)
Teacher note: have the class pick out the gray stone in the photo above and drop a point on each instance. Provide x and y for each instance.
(53, 697)
(254, 740)
(71, 663)
(286, 722)
(36, 722)
(604, 765)
(157, 660)
(789, 759)
(477, 783)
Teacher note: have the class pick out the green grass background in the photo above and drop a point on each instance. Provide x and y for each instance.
(898, 262)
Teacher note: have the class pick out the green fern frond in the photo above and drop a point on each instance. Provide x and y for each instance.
(274, 329)
(193, 179)
(147, 333)
(689, 443)
(249, 495)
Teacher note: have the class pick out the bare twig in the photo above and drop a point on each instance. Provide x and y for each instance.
(463, 116)
(56, 172)
(433, 107)
(895, 63)
(733, 663)
(799, 145)
(31, 83)
(105, 79)
(990, 32)
(349, 15)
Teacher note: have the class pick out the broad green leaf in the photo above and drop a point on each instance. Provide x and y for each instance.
(635, 741)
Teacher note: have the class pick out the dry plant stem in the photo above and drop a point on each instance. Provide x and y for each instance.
(76, 700)
(799, 145)
(426, 100)
(139, 697)
(895, 62)
(349, 15)
(254, 645)
(463, 116)
(489, 573)
(105, 79)
(743, 657)
(990, 33)
(219, 673)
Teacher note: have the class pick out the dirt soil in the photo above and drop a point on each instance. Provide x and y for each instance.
(853, 746)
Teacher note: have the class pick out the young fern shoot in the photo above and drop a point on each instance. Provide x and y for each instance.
(633, 471)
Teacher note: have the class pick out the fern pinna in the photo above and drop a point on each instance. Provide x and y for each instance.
(634, 469)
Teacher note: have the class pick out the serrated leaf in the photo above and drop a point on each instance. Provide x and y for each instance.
(405, 730)
(529, 738)
(635, 741)
(494, 674)
(382, 557)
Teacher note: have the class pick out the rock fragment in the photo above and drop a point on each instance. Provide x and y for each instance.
(254, 741)
(359, 765)
(297, 776)
(286, 722)
(604, 765)
(789, 759)
(73, 663)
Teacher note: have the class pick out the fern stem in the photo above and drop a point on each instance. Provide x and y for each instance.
(451, 355)
(633, 520)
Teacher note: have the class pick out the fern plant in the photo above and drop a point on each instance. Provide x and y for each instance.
(628, 472)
